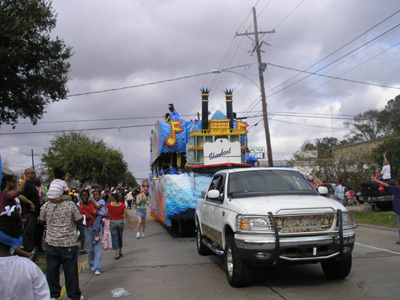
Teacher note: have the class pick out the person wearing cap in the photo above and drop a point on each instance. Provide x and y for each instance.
(251, 160)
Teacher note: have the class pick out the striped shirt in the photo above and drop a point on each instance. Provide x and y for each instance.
(57, 188)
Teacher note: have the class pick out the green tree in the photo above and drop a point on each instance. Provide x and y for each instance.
(353, 168)
(129, 179)
(85, 158)
(324, 146)
(390, 116)
(33, 67)
(364, 127)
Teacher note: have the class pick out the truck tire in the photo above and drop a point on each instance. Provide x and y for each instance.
(237, 272)
(201, 248)
(337, 269)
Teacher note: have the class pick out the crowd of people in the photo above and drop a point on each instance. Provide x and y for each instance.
(70, 219)
(339, 191)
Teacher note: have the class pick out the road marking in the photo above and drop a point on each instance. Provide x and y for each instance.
(63, 290)
(382, 249)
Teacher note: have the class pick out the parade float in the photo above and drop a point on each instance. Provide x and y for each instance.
(193, 151)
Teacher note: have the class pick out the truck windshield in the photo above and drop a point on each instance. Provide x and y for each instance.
(268, 183)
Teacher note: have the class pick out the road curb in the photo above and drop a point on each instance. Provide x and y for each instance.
(378, 227)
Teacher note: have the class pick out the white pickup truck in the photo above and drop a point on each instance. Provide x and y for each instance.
(268, 216)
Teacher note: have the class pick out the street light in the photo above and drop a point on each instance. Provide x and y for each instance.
(261, 68)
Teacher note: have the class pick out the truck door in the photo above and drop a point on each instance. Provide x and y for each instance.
(214, 210)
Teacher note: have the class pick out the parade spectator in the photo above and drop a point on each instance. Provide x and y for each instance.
(40, 227)
(29, 217)
(337, 187)
(8, 192)
(115, 211)
(59, 188)
(316, 181)
(129, 199)
(251, 160)
(100, 206)
(106, 196)
(386, 169)
(378, 173)
(107, 234)
(88, 209)
(141, 200)
(20, 278)
(310, 179)
(395, 190)
(81, 228)
(62, 219)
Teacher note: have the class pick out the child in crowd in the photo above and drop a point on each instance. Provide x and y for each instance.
(59, 189)
(107, 234)
(101, 210)
(378, 173)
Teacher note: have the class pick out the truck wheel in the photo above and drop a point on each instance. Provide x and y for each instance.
(201, 248)
(337, 269)
(237, 272)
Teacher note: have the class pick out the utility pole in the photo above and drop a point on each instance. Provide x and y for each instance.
(33, 162)
(261, 69)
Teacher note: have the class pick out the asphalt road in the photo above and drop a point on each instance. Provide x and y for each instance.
(165, 266)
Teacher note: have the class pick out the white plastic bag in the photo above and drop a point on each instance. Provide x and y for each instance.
(119, 292)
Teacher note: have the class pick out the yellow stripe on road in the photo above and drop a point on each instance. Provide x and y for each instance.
(63, 290)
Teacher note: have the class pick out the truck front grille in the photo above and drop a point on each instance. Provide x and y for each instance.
(293, 224)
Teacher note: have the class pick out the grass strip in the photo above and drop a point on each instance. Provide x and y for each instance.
(376, 218)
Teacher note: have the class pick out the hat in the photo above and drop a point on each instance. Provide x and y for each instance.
(310, 178)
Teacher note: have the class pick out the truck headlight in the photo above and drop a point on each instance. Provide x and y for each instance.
(253, 223)
(348, 219)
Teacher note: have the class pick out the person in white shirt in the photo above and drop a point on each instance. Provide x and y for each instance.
(20, 278)
(386, 168)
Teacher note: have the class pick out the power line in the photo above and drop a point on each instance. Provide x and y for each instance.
(338, 49)
(110, 119)
(289, 14)
(333, 77)
(302, 124)
(149, 83)
(333, 61)
(75, 130)
(151, 125)
(151, 117)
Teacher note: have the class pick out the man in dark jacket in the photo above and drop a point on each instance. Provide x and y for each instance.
(29, 217)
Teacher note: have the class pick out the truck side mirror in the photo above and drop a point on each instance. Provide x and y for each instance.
(213, 194)
(322, 190)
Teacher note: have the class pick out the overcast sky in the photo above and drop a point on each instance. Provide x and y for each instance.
(128, 43)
